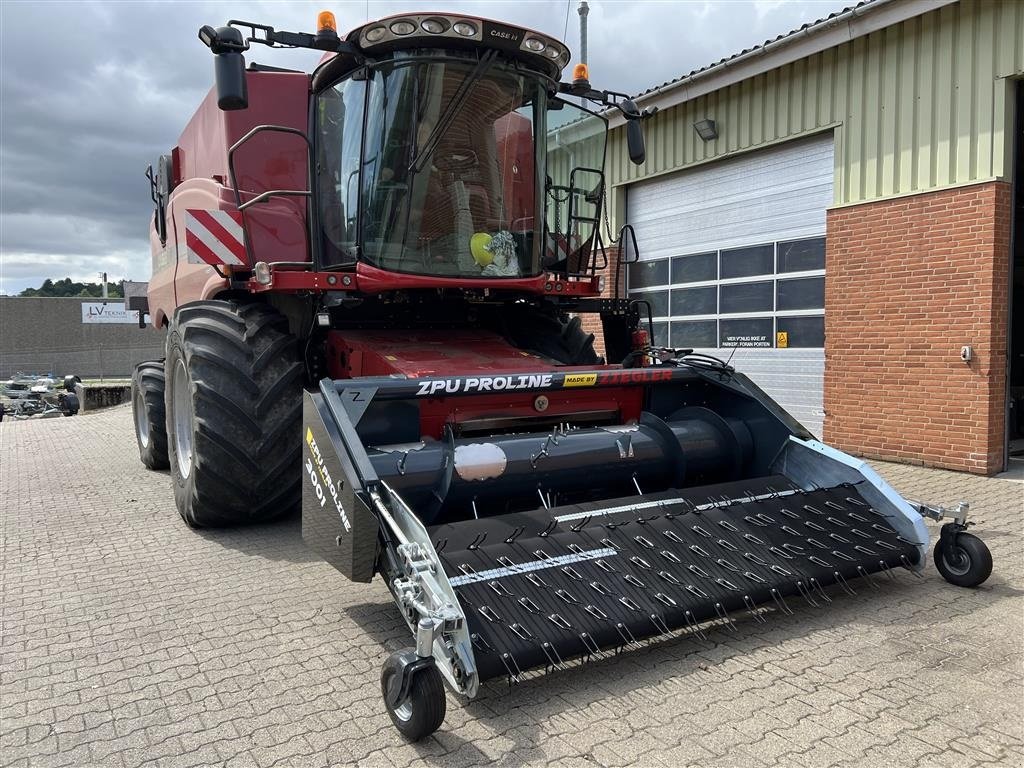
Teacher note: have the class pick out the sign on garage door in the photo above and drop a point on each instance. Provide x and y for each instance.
(733, 263)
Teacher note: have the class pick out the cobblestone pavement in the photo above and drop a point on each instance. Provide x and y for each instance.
(129, 639)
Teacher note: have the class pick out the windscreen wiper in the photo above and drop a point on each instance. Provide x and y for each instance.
(451, 110)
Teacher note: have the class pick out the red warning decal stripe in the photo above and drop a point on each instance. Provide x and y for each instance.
(214, 237)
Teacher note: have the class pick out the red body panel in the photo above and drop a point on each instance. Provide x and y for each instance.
(276, 229)
(425, 353)
(161, 283)
(372, 280)
(368, 279)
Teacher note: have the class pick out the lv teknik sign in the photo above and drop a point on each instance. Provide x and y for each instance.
(108, 312)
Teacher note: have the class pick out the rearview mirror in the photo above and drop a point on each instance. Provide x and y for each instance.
(229, 70)
(635, 142)
(634, 133)
(227, 45)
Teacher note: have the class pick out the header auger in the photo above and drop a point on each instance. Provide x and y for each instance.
(372, 277)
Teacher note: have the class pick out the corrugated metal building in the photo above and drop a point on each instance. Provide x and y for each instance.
(843, 228)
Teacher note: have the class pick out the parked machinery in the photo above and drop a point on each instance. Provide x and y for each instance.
(30, 395)
(372, 279)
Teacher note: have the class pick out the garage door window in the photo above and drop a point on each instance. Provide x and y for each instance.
(747, 262)
(802, 255)
(747, 297)
(695, 301)
(762, 295)
(801, 293)
(648, 273)
(692, 269)
(702, 333)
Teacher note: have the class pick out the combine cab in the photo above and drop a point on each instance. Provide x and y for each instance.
(372, 279)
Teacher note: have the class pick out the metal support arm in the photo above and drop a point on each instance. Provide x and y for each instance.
(957, 514)
(949, 531)
(426, 597)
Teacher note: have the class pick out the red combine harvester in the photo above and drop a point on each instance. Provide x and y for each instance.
(371, 279)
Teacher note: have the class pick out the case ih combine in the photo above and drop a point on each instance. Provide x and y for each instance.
(371, 279)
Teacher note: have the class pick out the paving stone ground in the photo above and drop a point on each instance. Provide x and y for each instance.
(130, 640)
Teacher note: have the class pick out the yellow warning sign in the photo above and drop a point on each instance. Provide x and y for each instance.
(782, 339)
(580, 380)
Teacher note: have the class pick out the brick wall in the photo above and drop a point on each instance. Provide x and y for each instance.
(592, 323)
(908, 282)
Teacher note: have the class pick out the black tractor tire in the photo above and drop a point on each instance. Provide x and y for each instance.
(149, 413)
(69, 404)
(234, 389)
(421, 711)
(551, 334)
(973, 562)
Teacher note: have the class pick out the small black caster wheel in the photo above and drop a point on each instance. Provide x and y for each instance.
(413, 694)
(967, 563)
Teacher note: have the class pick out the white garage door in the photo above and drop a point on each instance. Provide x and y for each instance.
(733, 263)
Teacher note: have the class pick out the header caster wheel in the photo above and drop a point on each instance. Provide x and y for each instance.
(962, 558)
(413, 694)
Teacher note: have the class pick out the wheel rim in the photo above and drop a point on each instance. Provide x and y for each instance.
(962, 564)
(141, 421)
(404, 710)
(181, 406)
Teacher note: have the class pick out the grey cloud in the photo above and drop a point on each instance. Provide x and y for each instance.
(90, 93)
(80, 267)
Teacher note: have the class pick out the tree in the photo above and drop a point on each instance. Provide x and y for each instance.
(66, 287)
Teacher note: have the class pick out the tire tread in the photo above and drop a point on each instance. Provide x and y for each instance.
(150, 378)
(545, 332)
(247, 388)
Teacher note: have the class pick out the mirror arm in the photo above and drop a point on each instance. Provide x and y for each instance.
(274, 38)
(620, 101)
(638, 115)
(218, 42)
(586, 92)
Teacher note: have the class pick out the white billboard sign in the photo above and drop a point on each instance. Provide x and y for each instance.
(108, 312)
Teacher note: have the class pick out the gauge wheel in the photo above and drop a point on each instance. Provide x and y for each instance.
(971, 563)
(418, 710)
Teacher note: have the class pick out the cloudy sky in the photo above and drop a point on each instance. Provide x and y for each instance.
(92, 92)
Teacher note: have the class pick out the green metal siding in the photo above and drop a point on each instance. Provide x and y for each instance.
(578, 145)
(920, 105)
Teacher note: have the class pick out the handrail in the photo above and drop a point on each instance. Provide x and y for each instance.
(572, 216)
(262, 197)
(623, 250)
